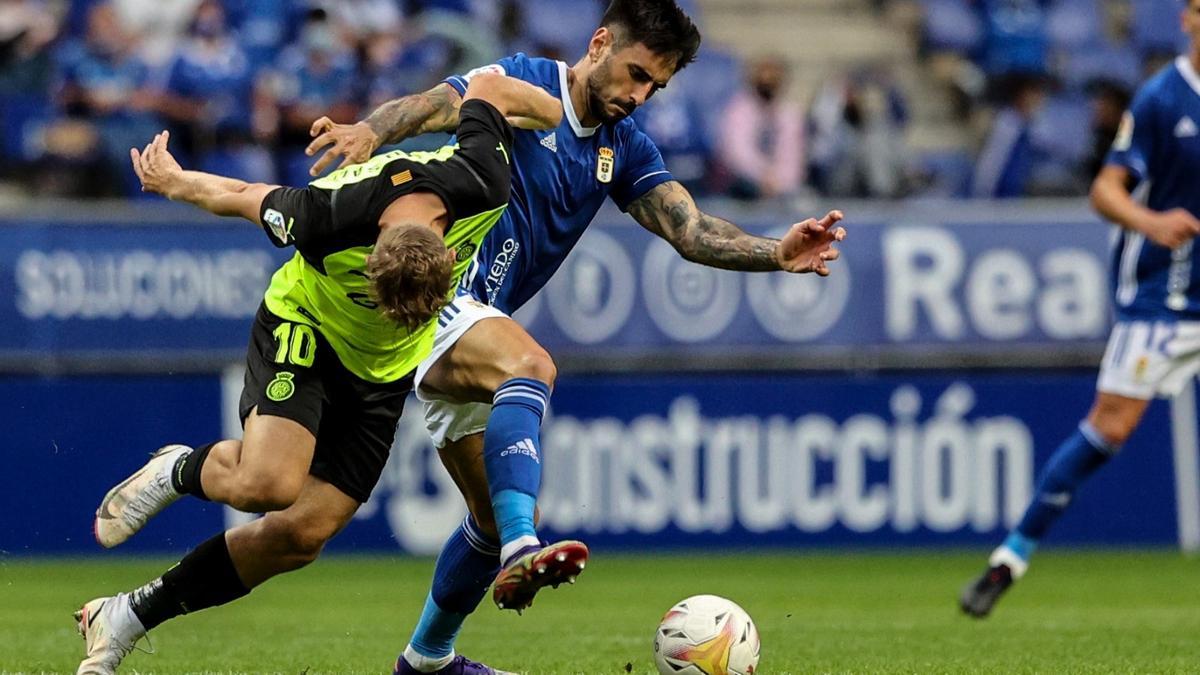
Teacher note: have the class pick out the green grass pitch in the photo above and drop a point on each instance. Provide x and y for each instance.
(818, 613)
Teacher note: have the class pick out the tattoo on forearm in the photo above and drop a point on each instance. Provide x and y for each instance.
(669, 211)
(434, 110)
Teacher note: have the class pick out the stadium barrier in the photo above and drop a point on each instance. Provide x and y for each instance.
(906, 400)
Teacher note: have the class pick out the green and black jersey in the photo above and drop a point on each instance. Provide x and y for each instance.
(334, 223)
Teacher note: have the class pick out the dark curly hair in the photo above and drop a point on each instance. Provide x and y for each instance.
(661, 25)
(410, 272)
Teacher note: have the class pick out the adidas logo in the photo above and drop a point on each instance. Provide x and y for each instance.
(522, 447)
(551, 142)
(1186, 128)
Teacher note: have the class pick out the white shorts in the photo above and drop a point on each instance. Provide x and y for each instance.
(446, 419)
(1147, 359)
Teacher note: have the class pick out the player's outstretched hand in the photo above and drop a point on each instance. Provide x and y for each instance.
(155, 167)
(808, 246)
(1173, 228)
(354, 143)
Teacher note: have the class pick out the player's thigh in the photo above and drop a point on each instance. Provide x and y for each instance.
(276, 450)
(1143, 360)
(283, 397)
(489, 353)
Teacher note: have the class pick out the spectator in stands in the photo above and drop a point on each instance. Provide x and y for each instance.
(673, 119)
(1006, 165)
(316, 76)
(1015, 38)
(27, 27)
(399, 64)
(159, 25)
(858, 127)
(1110, 100)
(762, 141)
(105, 92)
(207, 95)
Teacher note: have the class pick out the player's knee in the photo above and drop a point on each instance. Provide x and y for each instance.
(260, 492)
(534, 364)
(1113, 429)
(1114, 421)
(296, 541)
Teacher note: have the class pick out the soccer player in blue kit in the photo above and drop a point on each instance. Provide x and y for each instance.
(486, 385)
(1154, 348)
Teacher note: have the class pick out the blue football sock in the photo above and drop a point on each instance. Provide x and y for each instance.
(1077, 458)
(512, 455)
(465, 569)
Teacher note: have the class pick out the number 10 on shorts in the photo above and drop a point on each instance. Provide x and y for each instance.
(297, 344)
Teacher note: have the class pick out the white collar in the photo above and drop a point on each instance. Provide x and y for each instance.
(1184, 65)
(568, 107)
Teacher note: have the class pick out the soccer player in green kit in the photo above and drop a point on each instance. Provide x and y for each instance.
(379, 247)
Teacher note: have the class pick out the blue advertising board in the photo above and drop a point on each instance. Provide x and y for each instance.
(916, 283)
(732, 460)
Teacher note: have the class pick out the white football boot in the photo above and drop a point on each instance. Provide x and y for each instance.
(110, 628)
(127, 507)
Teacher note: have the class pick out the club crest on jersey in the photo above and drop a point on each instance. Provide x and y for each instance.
(464, 252)
(281, 388)
(604, 165)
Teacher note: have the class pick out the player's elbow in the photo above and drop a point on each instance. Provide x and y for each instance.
(1096, 194)
(493, 88)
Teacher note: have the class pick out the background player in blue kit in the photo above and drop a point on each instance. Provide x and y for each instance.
(486, 385)
(1154, 348)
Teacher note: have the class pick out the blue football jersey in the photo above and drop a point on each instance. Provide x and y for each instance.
(560, 178)
(1159, 143)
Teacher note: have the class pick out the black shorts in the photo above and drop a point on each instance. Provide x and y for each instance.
(292, 372)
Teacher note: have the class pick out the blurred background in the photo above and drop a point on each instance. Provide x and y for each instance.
(906, 400)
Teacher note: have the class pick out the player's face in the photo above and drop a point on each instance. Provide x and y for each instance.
(625, 79)
(1191, 22)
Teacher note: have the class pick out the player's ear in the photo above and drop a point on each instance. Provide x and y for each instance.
(601, 39)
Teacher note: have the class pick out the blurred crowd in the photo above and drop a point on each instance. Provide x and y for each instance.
(1044, 82)
(238, 82)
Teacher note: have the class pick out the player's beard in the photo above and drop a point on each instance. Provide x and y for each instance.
(600, 108)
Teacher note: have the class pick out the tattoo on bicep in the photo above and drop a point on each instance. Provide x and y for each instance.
(667, 210)
(434, 110)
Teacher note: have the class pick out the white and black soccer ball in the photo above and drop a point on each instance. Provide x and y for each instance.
(706, 635)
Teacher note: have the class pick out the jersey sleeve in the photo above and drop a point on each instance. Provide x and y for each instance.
(1134, 147)
(298, 217)
(641, 170)
(513, 66)
(485, 142)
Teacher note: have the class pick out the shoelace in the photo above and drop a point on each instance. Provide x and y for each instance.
(139, 509)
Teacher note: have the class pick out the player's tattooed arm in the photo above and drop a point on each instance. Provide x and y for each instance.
(401, 118)
(669, 211)
(392, 122)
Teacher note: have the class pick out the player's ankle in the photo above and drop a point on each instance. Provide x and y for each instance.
(510, 549)
(426, 664)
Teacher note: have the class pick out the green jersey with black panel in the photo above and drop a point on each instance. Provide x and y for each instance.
(334, 223)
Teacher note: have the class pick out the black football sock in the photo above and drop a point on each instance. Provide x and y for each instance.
(186, 475)
(204, 578)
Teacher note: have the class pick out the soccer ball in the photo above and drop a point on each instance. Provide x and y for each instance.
(706, 635)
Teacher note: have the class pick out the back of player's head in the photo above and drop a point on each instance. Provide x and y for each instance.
(410, 272)
(660, 25)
